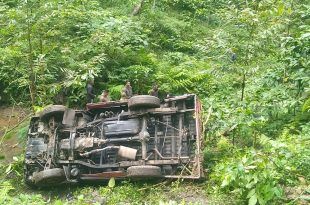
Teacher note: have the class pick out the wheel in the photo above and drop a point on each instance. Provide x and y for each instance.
(49, 177)
(144, 171)
(52, 110)
(143, 101)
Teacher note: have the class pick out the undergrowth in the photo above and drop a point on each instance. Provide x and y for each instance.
(20, 132)
(261, 174)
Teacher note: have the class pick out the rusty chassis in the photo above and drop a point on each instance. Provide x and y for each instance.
(141, 138)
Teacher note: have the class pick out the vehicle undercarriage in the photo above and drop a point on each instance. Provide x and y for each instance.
(141, 138)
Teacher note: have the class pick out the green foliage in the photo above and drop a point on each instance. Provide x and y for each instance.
(19, 132)
(11, 176)
(115, 92)
(250, 176)
(111, 183)
(249, 60)
(306, 106)
(16, 167)
(257, 175)
(6, 187)
(224, 145)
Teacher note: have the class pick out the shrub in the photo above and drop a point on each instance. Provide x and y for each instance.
(258, 175)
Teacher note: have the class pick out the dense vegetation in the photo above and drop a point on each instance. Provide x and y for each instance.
(248, 60)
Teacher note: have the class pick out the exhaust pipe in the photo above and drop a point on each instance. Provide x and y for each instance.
(125, 152)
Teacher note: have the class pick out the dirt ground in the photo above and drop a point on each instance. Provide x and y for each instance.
(10, 117)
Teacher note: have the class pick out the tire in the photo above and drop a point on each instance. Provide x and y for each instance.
(144, 171)
(143, 101)
(49, 177)
(52, 110)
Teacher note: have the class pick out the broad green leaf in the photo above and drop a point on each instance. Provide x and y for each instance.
(251, 193)
(280, 8)
(8, 169)
(80, 197)
(111, 182)
(253, 200)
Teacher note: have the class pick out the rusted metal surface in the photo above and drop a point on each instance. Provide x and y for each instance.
(82, 143)
(125, 164)
(127, 152)
(111, 136)
(198, 172)
(92, 106)
(104, 175)
(182, 97)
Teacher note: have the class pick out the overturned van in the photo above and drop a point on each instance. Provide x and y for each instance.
(141, 138)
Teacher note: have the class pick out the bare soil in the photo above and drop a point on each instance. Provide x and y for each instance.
(9, 118)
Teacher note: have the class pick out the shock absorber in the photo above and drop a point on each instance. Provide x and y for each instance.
(144, 137)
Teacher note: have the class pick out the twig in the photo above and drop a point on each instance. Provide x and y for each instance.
(209, 114)
(298, 197)
(155, 185)
(20, 122)
(6, 130)
(181, 174)
(228, 130)
(204, 123)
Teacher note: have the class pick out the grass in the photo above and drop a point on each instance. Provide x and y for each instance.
(14, 191)
(125, 192)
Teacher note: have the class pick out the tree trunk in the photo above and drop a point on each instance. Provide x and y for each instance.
(41, 45)
(137, 8)
(154, 5)
(243, 87)
(32, 86)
